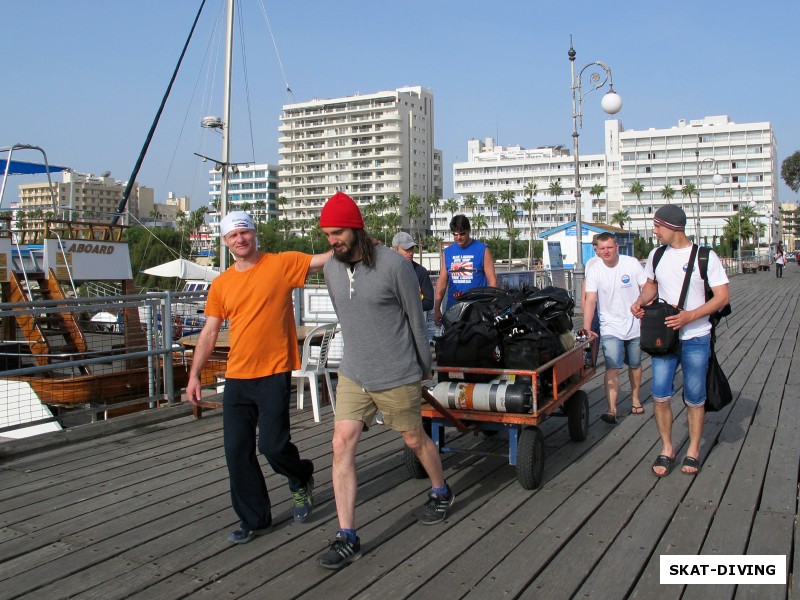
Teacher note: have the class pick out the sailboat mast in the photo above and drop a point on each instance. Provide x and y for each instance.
(226, 140)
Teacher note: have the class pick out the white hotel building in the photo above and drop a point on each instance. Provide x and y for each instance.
(253, 188)
(371, 147)
(744, 155)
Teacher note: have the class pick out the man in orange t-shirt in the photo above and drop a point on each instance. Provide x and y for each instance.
(255, 296)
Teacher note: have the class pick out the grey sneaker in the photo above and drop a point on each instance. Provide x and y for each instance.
(340, 553)
(436, 507)
(243, 535)
(379, 418)
(304, 501)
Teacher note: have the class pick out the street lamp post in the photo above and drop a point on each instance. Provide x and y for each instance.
(611, 104)
(716, 179)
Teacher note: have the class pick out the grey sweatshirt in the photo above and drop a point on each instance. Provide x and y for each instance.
(385, 340)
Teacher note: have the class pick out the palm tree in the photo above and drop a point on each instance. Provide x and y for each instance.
(638, 189)
(531, 189)
(620, 217)
(392, 202)
(451, 206)
(261, 210)
(433, 204)
(470, 203)
(688, 190)
(596, 191)
(509, 214)
(556, 190)
(478, 223)
(667, 193)
(414, 211)
(490, 200)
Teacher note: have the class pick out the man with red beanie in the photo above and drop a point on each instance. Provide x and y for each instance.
(386, 357)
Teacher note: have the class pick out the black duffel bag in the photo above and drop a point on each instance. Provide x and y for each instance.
(656, 338)
(552, 304)
(469, 344)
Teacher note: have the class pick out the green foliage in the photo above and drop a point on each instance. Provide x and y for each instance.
(790, 171)
(151, 247)
(642, 247)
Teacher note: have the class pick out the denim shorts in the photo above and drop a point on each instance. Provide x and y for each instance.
(617, 351)
(692, 356)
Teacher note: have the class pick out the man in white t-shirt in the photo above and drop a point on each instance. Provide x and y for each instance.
(694, 349)
(613, 283)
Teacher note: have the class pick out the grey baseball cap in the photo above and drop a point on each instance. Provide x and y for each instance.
(403, 240)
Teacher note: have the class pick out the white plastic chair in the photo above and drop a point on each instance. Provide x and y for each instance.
(314, 364)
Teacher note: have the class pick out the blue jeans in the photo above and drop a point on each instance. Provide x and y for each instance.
(619, 351)
(692, 356)
(261, 403)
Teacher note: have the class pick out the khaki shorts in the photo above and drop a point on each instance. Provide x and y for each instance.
(400, 406)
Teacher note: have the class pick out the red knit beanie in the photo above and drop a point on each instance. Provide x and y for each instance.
(341, 211)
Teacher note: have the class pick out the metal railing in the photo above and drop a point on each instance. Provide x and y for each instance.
(135, 367)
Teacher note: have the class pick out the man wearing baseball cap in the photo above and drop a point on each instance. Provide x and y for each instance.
(386, 357)
(404, 245)
(255, 295)
(694, 349)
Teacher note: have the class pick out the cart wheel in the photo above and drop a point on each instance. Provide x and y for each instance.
(578, 416)
(530, 458)
(413, 465)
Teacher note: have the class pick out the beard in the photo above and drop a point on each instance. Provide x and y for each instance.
(346, 253)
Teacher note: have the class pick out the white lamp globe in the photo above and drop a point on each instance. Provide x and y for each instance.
(717, 179)
(611, 103)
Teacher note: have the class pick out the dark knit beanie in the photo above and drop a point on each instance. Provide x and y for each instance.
(341, 211)
(671, 216)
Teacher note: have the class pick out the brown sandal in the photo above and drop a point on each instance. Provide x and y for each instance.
(637, 410)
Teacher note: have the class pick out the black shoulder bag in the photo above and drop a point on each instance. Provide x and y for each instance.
(657, 338)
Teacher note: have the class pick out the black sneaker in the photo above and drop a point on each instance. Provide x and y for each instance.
(304, 501)
(243, 535)
(436, 507)
(340, 553)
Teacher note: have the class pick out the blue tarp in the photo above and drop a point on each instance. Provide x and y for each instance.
(18, 167)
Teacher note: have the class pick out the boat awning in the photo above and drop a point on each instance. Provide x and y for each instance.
(20, 167)
(185, 269)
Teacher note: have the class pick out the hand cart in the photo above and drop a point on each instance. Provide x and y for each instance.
(562, 379)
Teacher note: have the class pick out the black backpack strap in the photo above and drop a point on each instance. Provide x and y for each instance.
(687, 277)
(702, 261)
(657, 258)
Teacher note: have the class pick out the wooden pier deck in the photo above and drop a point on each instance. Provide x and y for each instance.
(143, 512)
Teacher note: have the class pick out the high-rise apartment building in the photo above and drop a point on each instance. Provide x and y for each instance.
(82, 197)
(374, 147)
(492, 174)
(712, 161)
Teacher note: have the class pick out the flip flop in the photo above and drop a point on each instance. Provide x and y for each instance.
(637, 410)
(692, 463)
(609, 418)
(663, 461)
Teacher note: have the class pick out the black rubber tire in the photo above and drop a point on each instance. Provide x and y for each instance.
(413, 464)
(530, 458)
(578, 416)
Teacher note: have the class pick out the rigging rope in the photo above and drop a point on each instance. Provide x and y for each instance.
(132, 179)
(278, 54)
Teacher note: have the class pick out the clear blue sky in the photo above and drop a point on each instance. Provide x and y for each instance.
(83, 78)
